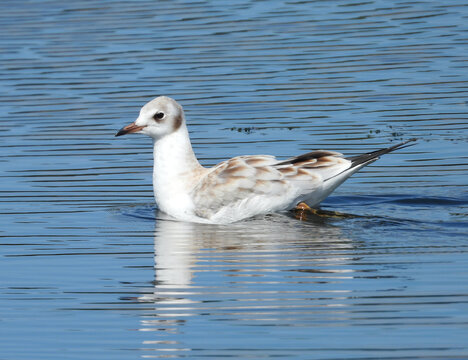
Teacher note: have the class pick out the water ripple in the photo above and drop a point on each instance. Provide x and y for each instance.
(94, 271)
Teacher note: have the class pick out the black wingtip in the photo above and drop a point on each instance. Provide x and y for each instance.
(374, 155)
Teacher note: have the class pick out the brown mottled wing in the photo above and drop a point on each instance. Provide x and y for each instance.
(312, 157)
(322, 163)
(278, 183)
(237, 179)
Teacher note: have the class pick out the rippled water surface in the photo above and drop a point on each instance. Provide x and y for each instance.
(91, 270)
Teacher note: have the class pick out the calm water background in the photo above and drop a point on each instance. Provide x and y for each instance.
(89, 268)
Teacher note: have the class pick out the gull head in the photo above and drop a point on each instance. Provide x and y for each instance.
(159, 117)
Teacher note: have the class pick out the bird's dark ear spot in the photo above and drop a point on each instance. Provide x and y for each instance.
(177, 122)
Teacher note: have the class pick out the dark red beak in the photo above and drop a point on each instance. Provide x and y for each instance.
(132, 128)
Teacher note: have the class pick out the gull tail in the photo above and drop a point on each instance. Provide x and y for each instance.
(357, 162)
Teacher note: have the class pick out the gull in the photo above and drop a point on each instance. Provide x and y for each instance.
(238, 188)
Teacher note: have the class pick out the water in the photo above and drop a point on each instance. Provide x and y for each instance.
(91, 270)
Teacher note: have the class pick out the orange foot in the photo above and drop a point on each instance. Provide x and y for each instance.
(301, 211)
(303, 206)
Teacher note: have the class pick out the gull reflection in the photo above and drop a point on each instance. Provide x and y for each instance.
(199, 266)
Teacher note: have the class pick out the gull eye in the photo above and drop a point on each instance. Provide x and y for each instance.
(158, 116)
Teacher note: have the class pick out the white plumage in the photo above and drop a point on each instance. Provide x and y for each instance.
(238, 188)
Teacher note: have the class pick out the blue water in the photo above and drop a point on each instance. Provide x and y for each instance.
(91, 270)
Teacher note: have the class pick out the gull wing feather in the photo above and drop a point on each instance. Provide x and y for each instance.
(253, 183)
